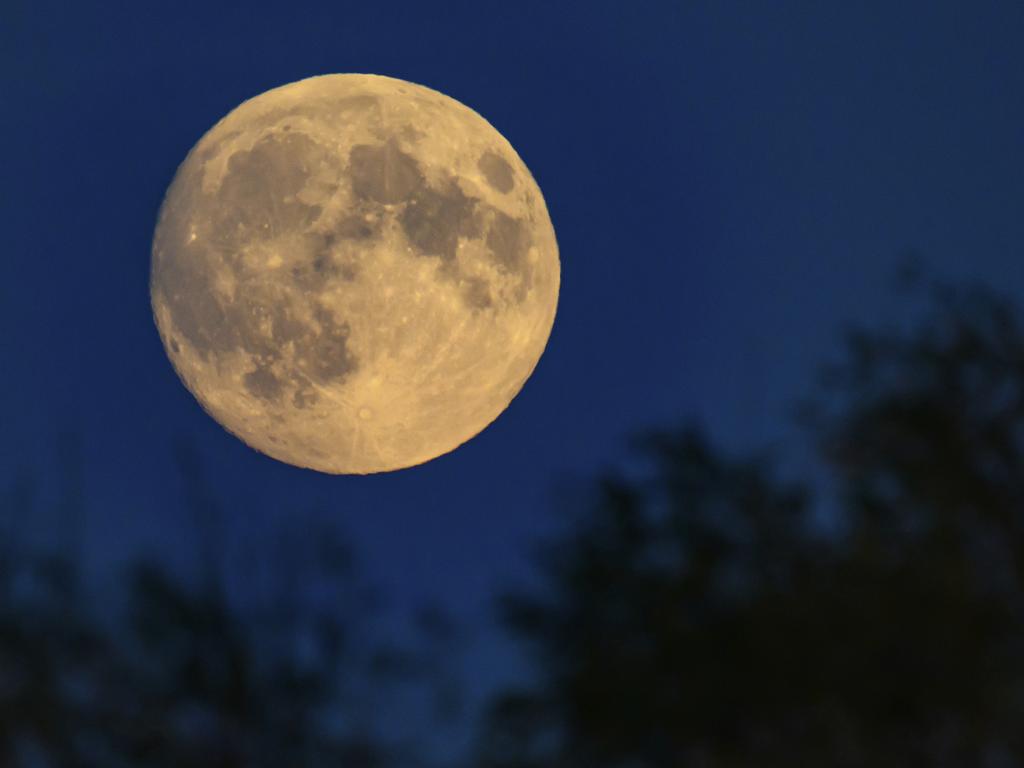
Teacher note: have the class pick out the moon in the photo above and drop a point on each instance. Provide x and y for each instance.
(354, 273)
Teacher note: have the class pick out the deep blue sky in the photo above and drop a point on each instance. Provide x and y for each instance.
(730, 183)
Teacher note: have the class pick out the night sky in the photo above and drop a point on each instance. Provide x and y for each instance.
(730, 183)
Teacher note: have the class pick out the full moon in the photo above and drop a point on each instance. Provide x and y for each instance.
(354, 273)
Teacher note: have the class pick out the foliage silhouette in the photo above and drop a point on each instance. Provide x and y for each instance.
(187, 675)
(702, 613)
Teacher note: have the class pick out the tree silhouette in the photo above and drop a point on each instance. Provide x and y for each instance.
(187, 674)
(702, 613)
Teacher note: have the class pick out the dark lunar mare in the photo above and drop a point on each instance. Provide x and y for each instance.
(256, 200)
(509, 241)
(383, 173)
(496, 171)
(433, 219)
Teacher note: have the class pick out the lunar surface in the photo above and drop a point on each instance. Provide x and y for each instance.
(353, 273)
